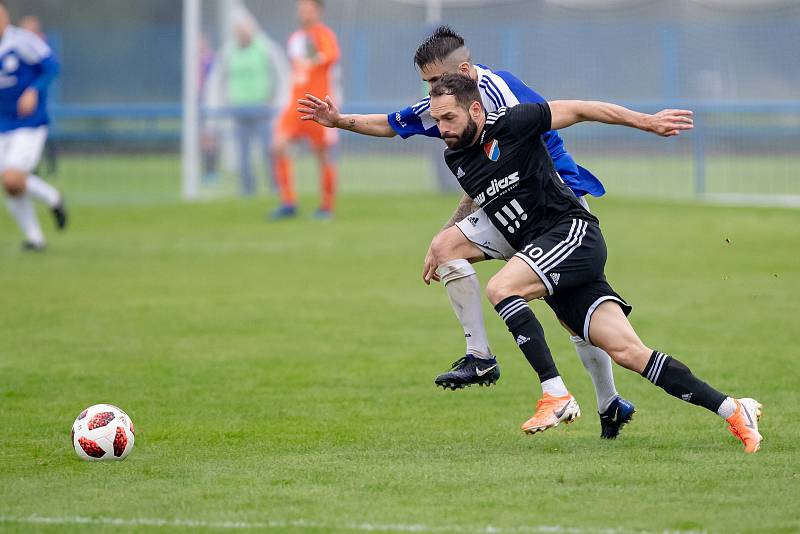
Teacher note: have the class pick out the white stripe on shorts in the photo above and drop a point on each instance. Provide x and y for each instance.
(579, 235)
(558, 247)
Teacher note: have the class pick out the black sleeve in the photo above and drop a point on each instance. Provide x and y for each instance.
(529, 119)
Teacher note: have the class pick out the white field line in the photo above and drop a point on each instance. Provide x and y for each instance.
(306, 524)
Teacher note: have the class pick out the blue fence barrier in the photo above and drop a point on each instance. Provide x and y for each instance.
(755, 126)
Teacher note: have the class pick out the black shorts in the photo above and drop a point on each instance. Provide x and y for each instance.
(570, 259)
(574, 307)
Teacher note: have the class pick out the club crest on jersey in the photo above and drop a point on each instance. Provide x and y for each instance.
(492, 149)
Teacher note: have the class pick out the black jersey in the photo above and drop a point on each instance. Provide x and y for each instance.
(509, 174)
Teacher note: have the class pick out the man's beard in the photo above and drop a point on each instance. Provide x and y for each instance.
(465, 139)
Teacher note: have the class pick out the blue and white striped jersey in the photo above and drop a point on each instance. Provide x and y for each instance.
(25, 61)
(501, 89)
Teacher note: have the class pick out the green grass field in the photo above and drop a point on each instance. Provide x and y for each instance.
(280, 376)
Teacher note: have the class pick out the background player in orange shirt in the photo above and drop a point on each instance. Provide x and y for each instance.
(313, 51)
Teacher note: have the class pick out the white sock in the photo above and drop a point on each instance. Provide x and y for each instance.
(42, 191)
(22, 210)
(462, 285)
(598, 364)
(727, 408)
(555, 387)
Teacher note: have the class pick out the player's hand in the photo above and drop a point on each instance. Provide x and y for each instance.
(313, 109)
(429, 268)
(669, 122)
(27, 102)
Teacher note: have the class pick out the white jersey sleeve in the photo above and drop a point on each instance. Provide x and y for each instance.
(30, 47)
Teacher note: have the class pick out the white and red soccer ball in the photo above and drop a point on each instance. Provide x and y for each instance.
(102, 432)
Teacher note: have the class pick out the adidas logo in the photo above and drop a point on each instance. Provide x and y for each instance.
(555, 277)
(521, 340)
(687, 397)
(460, 173)
(473, 220)
(506, 215)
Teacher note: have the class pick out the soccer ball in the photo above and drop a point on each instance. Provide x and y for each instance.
(102, 432)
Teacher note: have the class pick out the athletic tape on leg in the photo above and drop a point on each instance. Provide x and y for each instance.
(454, 269)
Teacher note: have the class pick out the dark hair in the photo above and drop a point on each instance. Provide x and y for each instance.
(319, 3)
(441, 43)
(461, 86)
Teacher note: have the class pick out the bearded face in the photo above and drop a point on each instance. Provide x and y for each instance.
(466, 137)
(458, 126)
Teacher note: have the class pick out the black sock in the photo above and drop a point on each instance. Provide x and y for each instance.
(529, 335)
(676, 379)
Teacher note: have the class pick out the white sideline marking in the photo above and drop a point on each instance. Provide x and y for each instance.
(303, 523)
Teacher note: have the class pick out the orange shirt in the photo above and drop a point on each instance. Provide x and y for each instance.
(313, 52)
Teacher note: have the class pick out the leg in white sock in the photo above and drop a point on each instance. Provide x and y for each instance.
(727, 408)
(598, 364)
(40, 190)
(555, 387)
(461, 283)
(22, 210)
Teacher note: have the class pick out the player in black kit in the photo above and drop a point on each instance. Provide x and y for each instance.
(503, 165)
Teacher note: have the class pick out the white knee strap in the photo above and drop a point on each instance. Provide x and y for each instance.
(453, 270)
(578, 341)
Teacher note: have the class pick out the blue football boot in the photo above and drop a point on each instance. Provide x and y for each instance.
(323, 214)
(284, 211)
(612, 420)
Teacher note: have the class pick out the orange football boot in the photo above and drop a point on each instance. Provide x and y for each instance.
(744, 423)
(550, 411)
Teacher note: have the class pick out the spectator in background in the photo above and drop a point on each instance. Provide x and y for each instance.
(208, 138)
(249, 88)
(314, 53)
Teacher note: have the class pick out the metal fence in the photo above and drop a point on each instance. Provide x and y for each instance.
(734, 63)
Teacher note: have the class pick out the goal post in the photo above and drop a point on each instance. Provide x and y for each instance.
(210, 156)
(190, 124)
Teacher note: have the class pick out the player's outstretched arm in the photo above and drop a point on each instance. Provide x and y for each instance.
(665, 123)
(327, 114)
